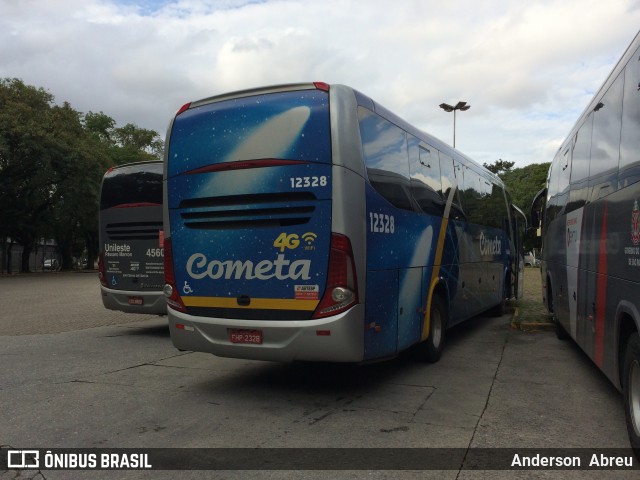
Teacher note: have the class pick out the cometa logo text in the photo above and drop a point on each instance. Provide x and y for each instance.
(490, 246)
(199, 267)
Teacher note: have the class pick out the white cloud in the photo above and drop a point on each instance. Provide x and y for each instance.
(527, 68)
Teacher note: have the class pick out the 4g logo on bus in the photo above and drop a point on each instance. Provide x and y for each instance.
(292, 241)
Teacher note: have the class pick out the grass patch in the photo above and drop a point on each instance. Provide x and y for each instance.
(529, 311)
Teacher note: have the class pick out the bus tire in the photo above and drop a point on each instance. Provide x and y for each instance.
(430, 350)
(501, 309)
(561, 333)
(631, 390)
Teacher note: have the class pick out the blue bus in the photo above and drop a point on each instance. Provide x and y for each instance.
(589, 216)
(307, 222)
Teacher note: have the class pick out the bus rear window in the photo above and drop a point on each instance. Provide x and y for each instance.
(132, 185)
(291, 125)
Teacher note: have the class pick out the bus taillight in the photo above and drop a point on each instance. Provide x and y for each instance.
(183, 108)
(342, 287)
(102, 274)
(170, 290)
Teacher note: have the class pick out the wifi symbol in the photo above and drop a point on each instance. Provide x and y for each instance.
(309, 237)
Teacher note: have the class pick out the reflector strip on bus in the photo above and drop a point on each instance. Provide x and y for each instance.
(137, 205)
(256, 303)
(243, 165)
(437, 261)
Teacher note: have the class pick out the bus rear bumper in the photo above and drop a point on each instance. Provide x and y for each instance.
(154, 303)
(339, 338)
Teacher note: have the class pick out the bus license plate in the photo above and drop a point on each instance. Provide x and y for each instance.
(135, 301)
(245, 336)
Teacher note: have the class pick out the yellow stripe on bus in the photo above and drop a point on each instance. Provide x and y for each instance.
(434, 277)
(256, 303)
(437, 262)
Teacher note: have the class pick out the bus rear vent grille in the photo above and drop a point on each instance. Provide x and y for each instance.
(248, 211)
(133, 230)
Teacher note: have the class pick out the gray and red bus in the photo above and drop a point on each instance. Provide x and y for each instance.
(591, 234)
(131, 252)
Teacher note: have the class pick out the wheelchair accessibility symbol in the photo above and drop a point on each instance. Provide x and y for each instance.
(114, 281)
(187, 288)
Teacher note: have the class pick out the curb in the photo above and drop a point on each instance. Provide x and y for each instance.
(530, 326)
(533, 326)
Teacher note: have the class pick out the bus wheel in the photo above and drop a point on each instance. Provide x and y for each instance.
(561, 333)
(501, 309)
(431, 349)
(631, 389)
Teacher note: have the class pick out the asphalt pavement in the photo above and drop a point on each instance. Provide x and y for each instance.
(75, 375)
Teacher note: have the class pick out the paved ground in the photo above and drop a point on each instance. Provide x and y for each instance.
(76, 375)
(55, 302)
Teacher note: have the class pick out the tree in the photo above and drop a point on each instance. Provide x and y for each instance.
(52, 159)
(82, 161)
(114, 146)
(126, 144)
(523, 184)
(27, 134)
(100, 126)
(139, 140)
(499, 166)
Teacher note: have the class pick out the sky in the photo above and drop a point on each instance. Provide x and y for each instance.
(527, 68)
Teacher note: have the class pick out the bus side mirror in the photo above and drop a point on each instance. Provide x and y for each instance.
(537, 206)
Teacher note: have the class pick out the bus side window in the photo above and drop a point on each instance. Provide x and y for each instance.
(449, 180)
(563, 174)
(552, 191)
(605, 142)
(386, 158)
(493, 206)
(426, 185)
(473, 196)
(629, 138)
(580, 159)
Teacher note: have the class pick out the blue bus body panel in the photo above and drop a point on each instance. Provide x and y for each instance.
(287, 125)
(400, 262)
(252, 240)
(249, 259)
(399, 245)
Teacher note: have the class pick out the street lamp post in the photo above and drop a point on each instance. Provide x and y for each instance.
(448, 108)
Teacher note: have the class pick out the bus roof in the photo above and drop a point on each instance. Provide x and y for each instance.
(362, 100)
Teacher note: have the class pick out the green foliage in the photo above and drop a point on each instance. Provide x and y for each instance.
(52, 159)
(499, 166)
(27, 157)
(523, 184)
